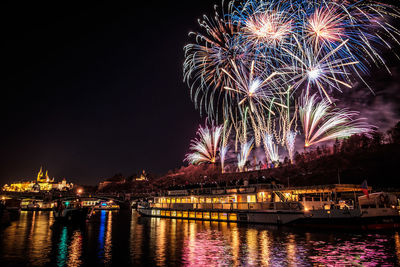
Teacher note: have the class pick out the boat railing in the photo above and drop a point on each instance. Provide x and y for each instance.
(231, 206)
(252, 188)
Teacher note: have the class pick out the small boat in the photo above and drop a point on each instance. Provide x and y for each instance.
(107, 205)
(70, 211)
(35, 204)
(30, 204)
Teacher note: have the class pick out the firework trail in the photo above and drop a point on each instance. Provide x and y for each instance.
(271, 148)
(223, 150)
(204, 148)
(322, 123)
(290, 142)
(222, 155)
(244, 154)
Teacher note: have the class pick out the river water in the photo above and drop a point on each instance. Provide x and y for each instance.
(124, 238)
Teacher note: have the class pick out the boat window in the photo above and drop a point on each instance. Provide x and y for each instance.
(223, 216)
(233, 217)
(251, 198)
(214, 215)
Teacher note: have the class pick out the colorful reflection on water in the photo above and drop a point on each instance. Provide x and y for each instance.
(124, 238)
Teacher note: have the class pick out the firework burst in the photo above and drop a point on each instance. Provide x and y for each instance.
(322, 123)
(214, 50)
(290, 142)
(204, 148)
(315, 70)
(244, 154)
(271, 148)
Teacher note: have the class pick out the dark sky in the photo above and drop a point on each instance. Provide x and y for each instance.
(93, 89)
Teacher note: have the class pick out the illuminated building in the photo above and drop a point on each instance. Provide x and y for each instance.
(42, 183)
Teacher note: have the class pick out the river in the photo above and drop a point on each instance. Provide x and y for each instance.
(123, 238)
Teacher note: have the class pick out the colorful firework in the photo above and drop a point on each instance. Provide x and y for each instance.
(244, 154)
(213, 51)
(204, 148)
(318, 70)
(253, 60)
(322, 123)
(324, 25)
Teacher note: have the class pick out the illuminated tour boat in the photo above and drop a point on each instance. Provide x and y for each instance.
(339, 205)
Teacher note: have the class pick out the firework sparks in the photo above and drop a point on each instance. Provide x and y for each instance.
(204, 148)
(244, 154)
(224, 144)
(271, 148)
(213, 51)
(322, 123)
(324, 25)
(290, 142)
(222, 155)
(318, 70)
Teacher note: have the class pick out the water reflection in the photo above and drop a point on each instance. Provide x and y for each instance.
(123, 238)
(63, 247)
(75, 249)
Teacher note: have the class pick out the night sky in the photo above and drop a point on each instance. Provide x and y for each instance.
(94, 89)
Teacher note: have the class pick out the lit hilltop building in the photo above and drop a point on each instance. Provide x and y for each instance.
(42, 183)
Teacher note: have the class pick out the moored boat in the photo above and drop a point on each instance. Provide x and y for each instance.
(340, 205)
(106, 205)
(70, 211)
(36, 204)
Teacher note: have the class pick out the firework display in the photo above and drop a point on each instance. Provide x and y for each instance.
(244, 154)
(271, 148)
(204, 148)
(260, 65)
(290, 142)
(323, 123)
